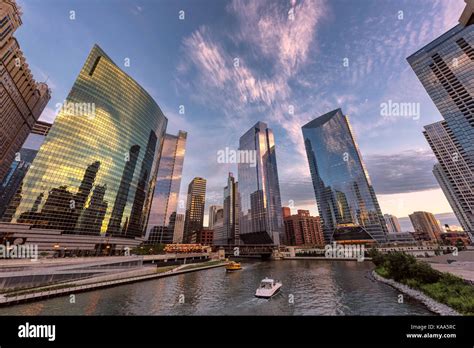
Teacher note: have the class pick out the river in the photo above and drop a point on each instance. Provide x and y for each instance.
(309, 288)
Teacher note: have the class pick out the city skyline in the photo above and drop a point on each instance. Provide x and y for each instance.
(206, 40)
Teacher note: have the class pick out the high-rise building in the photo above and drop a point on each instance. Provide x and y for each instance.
(96, 169)
(231, 211)
(445, 67)
(260, 202)
(426, 226)
(165, 198)
(17, 171)
(194, 209)
(303, 229)
(213, 209)
(393, 225)
(22, 99)
(452, 172)
(346, 199)
(178, 229)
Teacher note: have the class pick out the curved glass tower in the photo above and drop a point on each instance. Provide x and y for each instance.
(96, 170)
(346, 199)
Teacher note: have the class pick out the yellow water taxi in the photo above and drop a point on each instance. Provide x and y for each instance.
(233, 266)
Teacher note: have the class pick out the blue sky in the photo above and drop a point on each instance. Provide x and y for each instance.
(282, 64)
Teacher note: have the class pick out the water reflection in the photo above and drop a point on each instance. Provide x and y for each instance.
(317, 288)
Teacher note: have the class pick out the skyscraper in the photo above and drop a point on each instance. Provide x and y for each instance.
(260, 203)
(17, 171)
(213, 209)
(426, 225)
(452, 172)
(393, 225)
(178, 228)
(445, 67)
(95, 170)
(346, 199)
(231, 211)
(165, 198)
(194, 209)
(22, 99)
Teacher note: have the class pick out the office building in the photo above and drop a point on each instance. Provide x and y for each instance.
(17, 171)
(95, 171)
(393, 225)
(231, 211)
(165, 198)
(426, 226)
(445, 68)
(178, 229)
(205, 236)
(347, 204)
(260, 203)
(194, 209)
(303, 229)
(22, 99)
(452, 172)
(213, 209)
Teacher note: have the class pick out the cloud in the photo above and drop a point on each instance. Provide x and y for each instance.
(403, 172)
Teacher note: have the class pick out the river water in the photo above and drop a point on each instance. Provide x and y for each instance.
(309, 288)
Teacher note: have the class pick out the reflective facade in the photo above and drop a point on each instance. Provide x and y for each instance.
(19, 167)
(194, 209)
(445, 67)
(165, 198)
(261, 219)
(342, 186)
(96, 170)
(22, 99)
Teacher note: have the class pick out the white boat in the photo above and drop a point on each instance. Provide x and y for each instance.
(268, 288)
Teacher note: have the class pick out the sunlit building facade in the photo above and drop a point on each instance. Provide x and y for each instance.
(426, 226)
(194, 209)
(165, 198)
(22, 99)
(346, 200)
(96, 171)
(302, 228)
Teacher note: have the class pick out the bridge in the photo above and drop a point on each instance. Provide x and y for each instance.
(247, 250)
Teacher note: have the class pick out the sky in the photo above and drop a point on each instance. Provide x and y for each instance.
(229, 64)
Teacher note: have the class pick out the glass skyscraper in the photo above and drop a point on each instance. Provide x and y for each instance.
(96, 170)
(344, 193)
(165, 198)
(19, 167)
(261, 219)
(445, 67)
